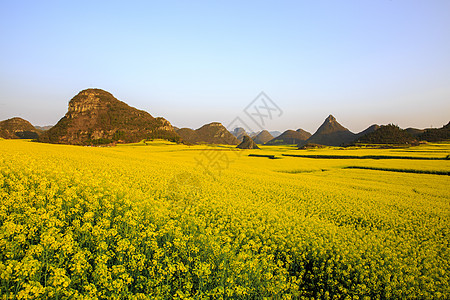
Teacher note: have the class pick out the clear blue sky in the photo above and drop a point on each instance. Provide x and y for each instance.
(194, 62)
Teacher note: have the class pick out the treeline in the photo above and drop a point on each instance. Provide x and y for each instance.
(388, 134)
(394, 135)
(436, 134)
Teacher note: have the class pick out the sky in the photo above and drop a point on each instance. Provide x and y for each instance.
(194, 62)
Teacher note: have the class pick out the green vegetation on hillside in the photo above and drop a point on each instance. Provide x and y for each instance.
(437, 134)
(387, 134)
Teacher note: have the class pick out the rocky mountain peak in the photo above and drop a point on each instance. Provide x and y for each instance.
(330, 118)
(95, 116)
(90, 101)
(330, 125)
(330, 133)
(247, 143)
(263, 137)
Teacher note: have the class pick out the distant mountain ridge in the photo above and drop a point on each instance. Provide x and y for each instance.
(95, 116)
(275, 133)
(43, 128)
(212, 133)
(17, 128)
(239, 133)
(290, 137)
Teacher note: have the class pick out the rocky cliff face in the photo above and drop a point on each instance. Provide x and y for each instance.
(86, 102)
(17, 128)
(95, 116)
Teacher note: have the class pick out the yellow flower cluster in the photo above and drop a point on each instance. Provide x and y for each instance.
(145, 222)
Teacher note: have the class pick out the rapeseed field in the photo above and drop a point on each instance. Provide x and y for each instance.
(157, 220)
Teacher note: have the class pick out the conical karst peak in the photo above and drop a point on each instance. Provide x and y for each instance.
(330, 118)
(95, 116)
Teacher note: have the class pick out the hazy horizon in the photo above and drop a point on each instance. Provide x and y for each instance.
(199, 62)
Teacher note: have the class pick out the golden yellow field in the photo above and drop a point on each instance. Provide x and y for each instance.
(158, 220)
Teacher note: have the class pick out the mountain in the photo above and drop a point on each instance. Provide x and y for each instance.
(247, 143)
(369, 129)
(189, 135)
(17, 128)
(43, 128)
(290, 137)
(262, 137)
(304, 134)
(387, 134)
(239, 133)
(95, 116)
(213, 133)
(275, 133)
(414, 131)
(436, 134)
(330, 133)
